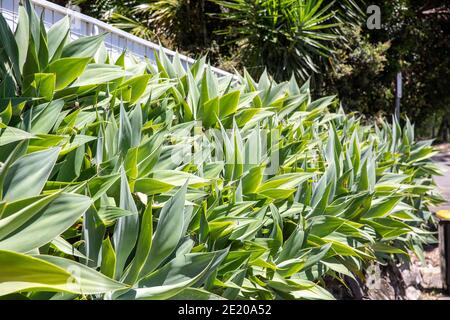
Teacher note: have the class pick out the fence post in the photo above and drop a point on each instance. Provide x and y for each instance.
(398, 94)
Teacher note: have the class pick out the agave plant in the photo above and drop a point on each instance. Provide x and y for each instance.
(128, 180)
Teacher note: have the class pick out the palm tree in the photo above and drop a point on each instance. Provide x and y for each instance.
(180, 24)
(286, 36)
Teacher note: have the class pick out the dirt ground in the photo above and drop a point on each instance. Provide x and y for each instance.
(430, 273)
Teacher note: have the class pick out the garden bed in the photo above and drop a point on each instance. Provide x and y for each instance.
(124, 180)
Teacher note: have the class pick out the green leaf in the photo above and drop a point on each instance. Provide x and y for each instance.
(92, 235)
(125, 131)
(83, 47)
(71, 167)
(42, 85)
(126, 229)
(55, 218)
(28, 175)
(382, 207)
(65, 247)
(143, 246)
(9, 53)
(17, 213)
(209, 112)
(20, 272)
(18, 150)
(282, 186)
(151, 186)
(385, 248)
(252, 180)
(132, 89)
(388, 228)
(67, 70)
(6, 114)
(96, 74)
(178, 274)
(168, 231)
(292, 246)
(136, 125)
(44, 116)
(228, 103)
(22, 36)
(57, 36)
(84, 280)
(108, 266)
(110, 214)
(196, 294)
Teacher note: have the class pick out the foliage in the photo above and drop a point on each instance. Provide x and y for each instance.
(296, 36)
(358, 74)
(419, 49)
(180, 24)
(287, 36)
(412, 40)
(284, 36)
(101, 196)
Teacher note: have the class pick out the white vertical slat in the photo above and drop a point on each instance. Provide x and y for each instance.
(139, 50)
(116, 43)
(8, 12)
(48, 18)
(84, 28)
(150, 54)
(121, 45)
(95, 29)
(39, 9)
(57, 16)
(15, 10)
(8, 6)
(108, 42)
(115, 52)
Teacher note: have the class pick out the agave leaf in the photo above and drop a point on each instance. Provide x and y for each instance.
(84, 280)
(168, 231)
(27, 176)
(168, 281)
(132, 89)
(96, 74)
(65, 247)
(55, 218)
(108, 265)
(10, 52)
(57, 37)
(84, 47)
(143, 246)
(126, 229)
(67, 70)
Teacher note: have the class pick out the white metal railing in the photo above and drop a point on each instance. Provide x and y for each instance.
(116, 40)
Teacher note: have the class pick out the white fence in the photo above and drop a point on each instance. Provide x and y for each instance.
(81, 25)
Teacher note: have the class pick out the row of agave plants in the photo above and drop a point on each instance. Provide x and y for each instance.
(125, 180)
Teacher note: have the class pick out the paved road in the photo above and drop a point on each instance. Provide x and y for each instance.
(443, 182)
